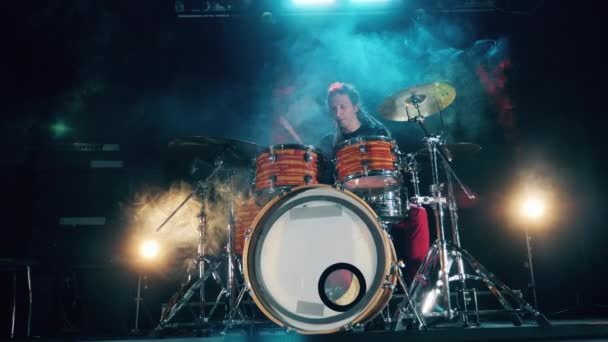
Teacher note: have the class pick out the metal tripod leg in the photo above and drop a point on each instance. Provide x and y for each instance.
(425, 275)
(411, 307)
(223, 293)
(236, 308)
(421, 277)
(496, 286)
(187, 294)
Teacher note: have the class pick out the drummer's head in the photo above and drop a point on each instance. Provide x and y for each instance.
(344, 106)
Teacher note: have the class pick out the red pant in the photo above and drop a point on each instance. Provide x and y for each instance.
(411, 238)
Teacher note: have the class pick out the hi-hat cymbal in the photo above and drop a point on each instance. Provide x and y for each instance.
(231, 151)
(429, 98)
(455, 150)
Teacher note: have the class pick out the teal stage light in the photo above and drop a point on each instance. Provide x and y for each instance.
(312, 2)
(59, 129)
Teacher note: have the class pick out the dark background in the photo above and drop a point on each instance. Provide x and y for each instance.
(132, 73)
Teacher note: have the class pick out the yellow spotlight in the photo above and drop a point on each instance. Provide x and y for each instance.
(149, 249)
(533, 208)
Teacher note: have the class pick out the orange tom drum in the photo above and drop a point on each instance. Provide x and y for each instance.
(368, 163)
(282, 167)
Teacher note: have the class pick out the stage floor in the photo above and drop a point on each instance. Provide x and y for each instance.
(561, 330)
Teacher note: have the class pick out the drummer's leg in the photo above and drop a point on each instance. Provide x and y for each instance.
(412, 240)
(417, 240)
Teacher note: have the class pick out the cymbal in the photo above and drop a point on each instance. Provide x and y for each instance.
(454, 150)
(430, 98)
(230, 151)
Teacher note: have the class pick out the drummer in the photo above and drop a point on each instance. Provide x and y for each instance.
(344, 104)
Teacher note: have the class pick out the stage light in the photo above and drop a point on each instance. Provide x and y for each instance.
(533, 208)
(149, 249)
(371, 1)
(211, 8)
(59, 129)
(533, 211)
(312, 2)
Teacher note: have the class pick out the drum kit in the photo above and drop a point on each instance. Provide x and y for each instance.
(319, 258)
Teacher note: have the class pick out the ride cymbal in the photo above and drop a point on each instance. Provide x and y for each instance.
(423, 100)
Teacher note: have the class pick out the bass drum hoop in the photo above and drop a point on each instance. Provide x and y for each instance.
(376, 303)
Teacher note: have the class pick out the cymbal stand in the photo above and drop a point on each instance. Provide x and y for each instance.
(230, 291)
(412, 168)
(189, 286)
(446, 253)
(233, 300)
(453, 211)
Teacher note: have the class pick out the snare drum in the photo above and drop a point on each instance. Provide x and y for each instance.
(282, 167)
(245, 212)
(391, 206)
(318, 261)
(368, 163)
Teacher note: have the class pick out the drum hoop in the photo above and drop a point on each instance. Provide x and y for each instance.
(290, 147)
(374, 197)
(262, 217)
(376, 236)
(266, 195)
(372, 173)
(365, 138)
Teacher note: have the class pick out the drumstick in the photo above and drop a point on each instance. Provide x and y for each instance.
(290, 129)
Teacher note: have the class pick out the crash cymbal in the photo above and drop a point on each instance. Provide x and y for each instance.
(231, 151)
(455, 150)
(430, 98)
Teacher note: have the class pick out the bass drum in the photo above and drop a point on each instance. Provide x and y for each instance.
(318, 261)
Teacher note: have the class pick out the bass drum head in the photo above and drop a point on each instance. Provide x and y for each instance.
(316, 260)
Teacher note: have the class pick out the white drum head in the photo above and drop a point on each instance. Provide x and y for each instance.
(316, 259)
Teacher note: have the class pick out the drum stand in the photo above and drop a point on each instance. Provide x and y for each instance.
(195, 281)
(432, 281)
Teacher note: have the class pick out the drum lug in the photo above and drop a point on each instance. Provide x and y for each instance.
(307, 157)
(365, 164)
(388, 284)
(273, 180)
(355, 327)
(248, 233)
(362, 149)
(383, 224)
(307, 179)
(272, 157)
